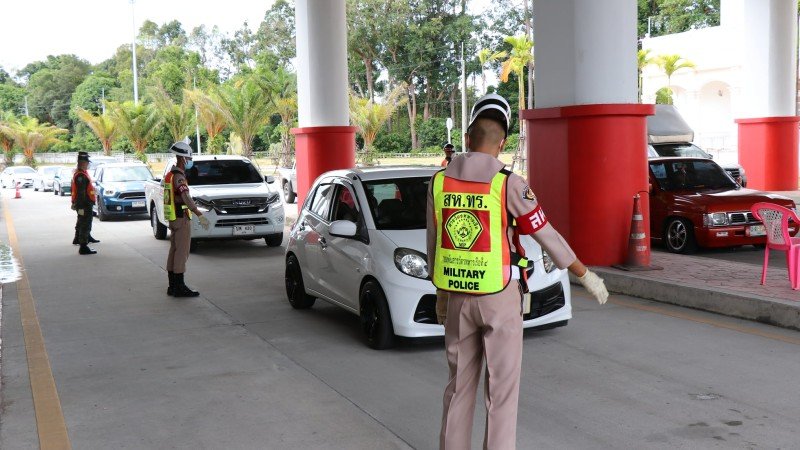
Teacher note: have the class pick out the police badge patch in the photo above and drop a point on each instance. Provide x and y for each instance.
(527, 194)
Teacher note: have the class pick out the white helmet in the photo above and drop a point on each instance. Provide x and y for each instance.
(182, 148)
(492, 106)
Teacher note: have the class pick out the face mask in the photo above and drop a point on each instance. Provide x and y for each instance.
(189, 164)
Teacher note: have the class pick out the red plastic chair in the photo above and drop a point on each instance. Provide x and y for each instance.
(776, 220)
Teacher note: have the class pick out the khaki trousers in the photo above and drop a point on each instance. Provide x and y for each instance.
(180, 237)
(479, 327)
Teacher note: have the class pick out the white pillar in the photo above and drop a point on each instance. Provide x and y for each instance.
(769, 45)
(322, 84)
(585, 52)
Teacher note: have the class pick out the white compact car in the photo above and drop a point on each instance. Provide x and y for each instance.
(44, 178)
(24, 175)
(359, 243)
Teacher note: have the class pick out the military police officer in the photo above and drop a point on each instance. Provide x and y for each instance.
(476, 210)
(178, 208)
(449, 149)
(83, 198)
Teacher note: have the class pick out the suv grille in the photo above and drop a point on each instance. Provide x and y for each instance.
(245, 221)
(250, 205)
(742, 218)
(131, 195)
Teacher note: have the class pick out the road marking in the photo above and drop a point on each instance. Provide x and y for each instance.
(708, 321)
(49, 418)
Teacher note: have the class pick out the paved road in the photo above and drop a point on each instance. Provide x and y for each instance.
(238, 369)
(744, 254)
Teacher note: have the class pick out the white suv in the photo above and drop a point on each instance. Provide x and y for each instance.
(359, 243)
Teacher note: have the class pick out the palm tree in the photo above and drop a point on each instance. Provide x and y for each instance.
(30, 136)
(516, 62)
(369, 117)
(486, 56)
(645, 60)
(138, 123)
(210, 117)
(246, 106)
(178, 118)
(671, 64)
(102, 126)
(7, 121)
(282, 86)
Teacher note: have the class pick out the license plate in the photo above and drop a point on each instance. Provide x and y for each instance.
(758, 230)
(138, 204)
(239, 230)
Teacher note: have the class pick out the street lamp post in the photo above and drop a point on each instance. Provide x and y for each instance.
(133, 50)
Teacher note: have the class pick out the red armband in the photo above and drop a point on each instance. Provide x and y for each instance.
(532, 222)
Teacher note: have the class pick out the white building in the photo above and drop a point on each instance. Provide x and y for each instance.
(710, 96)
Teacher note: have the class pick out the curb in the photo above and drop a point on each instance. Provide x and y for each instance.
(762, 309)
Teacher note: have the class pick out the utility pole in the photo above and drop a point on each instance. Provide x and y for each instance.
(27, 113)
(133, 50)
(463, 98)
(196, 121)
(103, 101)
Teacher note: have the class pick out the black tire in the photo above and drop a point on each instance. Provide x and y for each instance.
(679, 236)
(192, 245)
(55, 191)
(288, 193)
(375, 318)
(101, 214)
(61, 192)
(35, 189)
(295, 289)
(274, 240)
(159, 230)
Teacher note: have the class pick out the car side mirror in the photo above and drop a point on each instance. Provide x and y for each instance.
(269, 179)
(343, 228)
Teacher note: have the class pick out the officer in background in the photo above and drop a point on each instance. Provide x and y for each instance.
(448, 153)
(475, 210)
(83, 198)
(178, 209)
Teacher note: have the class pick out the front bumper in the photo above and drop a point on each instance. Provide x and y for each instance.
(124, 206)
(227, 226)
(729, 236)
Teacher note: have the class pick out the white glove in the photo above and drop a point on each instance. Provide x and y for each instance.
(80, 212)
(203, 222)
(595, 286)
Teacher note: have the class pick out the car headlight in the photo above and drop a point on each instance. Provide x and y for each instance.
(274, 201)
(203, 205)
(411, 263)
(716, 219)
(109, 192)
(549, 264)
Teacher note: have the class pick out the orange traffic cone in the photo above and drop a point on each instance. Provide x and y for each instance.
(638, 244)
(17, 195)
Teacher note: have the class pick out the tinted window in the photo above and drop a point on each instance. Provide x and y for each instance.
(131, 173)
(681, 150)
(398, 204)
(214, 171)
(691, 175)
(321, 200)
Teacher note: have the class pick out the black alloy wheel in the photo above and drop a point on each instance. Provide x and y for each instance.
(376, 321)
(679, 236)
(295, 289)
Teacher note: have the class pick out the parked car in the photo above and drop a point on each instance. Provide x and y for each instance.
(359, 243)
(289, 182)
(695, 203)
(23, 175)
(669, 135)
(120, 189)
(44, 178)
(237, 201)
(62, 181)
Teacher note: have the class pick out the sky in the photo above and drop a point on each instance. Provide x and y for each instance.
(94, 29)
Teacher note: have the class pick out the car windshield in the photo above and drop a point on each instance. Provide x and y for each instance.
(24, 170)
(50, 171)
(398, 204)
(222, 171)
(681, 151)
(131, 173)
(691, 175)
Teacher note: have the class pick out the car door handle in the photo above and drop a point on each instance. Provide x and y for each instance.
(322, 242)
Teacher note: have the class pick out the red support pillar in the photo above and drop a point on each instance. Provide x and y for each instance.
(768, 152)
(320, 149)
(585, 164)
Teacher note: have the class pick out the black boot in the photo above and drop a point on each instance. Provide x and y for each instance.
(85, 250)
(180, 289)
(92, 240)
(75, 240)
(171, 288)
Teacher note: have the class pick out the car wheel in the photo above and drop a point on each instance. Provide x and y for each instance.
(159, 230)
(288, 194)
(274, 240)
(101, 214)
(35, 189)
(679, 236)
(295, 289)
(376, 321)
(55, 191)
(61, 192)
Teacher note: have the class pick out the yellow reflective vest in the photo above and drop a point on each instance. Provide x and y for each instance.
(473, 253)
(169, 198)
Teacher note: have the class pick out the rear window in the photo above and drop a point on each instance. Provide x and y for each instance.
(214, 171)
